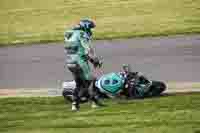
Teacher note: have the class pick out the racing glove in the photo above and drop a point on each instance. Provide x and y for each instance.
(96, 62)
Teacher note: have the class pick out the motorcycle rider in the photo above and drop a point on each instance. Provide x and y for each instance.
(79, 53)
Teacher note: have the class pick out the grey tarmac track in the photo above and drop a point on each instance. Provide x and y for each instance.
(170, 59)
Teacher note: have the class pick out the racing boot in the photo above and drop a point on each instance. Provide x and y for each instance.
(96, 103)
(75, 106)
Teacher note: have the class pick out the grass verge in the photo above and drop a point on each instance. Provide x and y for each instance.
(31, 21)
(167, 114)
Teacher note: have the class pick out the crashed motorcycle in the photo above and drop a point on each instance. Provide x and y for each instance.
(115, 85)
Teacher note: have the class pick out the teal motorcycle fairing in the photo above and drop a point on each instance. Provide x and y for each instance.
(111, 83)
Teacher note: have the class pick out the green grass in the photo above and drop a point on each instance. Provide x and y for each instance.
(167, 114)
(23, 21)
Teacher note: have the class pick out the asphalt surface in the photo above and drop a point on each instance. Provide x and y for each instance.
(175, 58)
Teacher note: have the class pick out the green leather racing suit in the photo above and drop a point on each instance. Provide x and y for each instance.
(78, 53)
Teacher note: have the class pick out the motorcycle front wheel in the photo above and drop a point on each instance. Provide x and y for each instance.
(157, 88)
